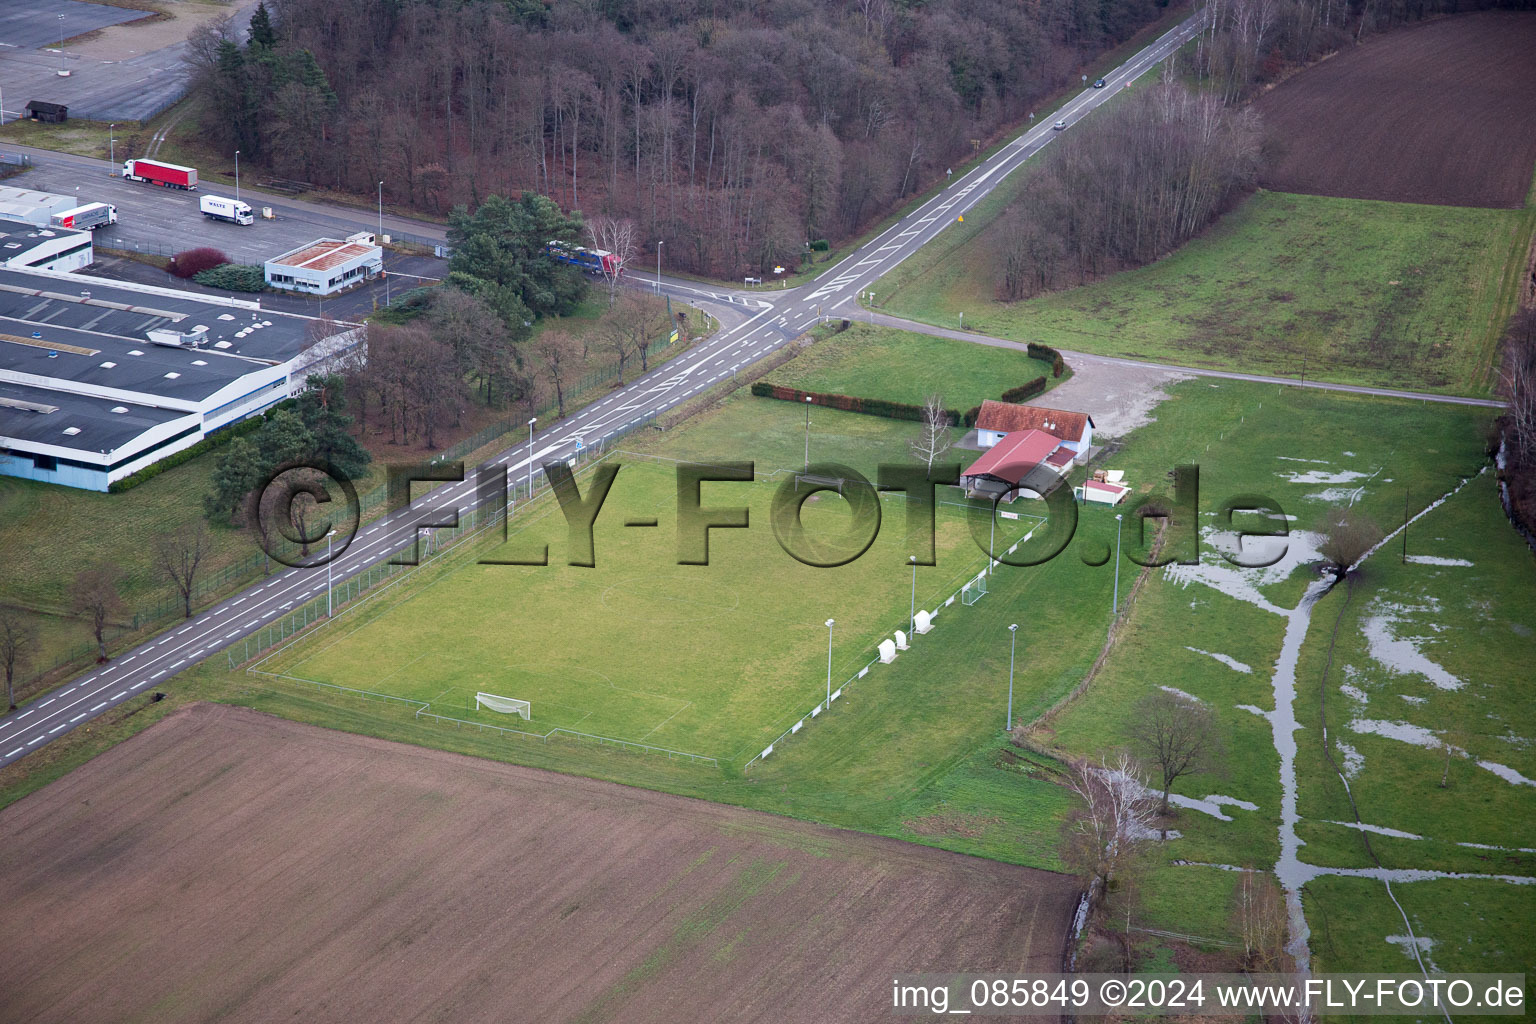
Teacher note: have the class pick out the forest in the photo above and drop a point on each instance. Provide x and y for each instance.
(735, 131)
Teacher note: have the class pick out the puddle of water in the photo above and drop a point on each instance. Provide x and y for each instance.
(1436, 560)
(1413, 700)
(1212, 804)
(1415, 944)
(1354, 693)
(1249, 707)
(1180, 693)
(1318, 462)
(1380, 830)
(1335, 495)
(1401, 654)
(1230, 662)
(1353, 759)
(1402, 731)
(1506, 773)
(1318, 476)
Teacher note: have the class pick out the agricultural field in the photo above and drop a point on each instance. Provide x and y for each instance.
(867, 361)
(1355, 291)
(234, 845)
(1443, 112)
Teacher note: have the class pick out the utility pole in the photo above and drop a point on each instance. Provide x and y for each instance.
(829, 664)
(659, 244)
(912, 612)
(237, 175)
(530, 456)
(1115, 609)
(808, 404)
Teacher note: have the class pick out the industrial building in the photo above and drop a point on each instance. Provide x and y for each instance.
(326, 265)
(32, 207)
(25, 245)
(99, 379)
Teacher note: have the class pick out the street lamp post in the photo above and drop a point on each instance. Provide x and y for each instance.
(1115, 608)
(829, 664)
(111, 145)
(328, 573)
(62, 72)
(530, 456)
(237, 175)
(807, 433)
(912, 611)
(992, 542)
(381, 213)
(1013, 645)
(659, 244)
(379, 238)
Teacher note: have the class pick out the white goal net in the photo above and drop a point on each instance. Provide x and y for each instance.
(504, 705)
(974, 590)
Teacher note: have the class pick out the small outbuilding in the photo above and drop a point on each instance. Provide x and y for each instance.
(1026, 463)
(48, 113)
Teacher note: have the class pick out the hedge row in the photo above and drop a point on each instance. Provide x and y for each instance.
(217, 439)
(1024, 392)
(1045, 352)
(847, 403)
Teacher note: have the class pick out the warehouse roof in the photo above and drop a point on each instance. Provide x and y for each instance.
(90, 311)
(323, 254)
(44, 416)
(17, 238)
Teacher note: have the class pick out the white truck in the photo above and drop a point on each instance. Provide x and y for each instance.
(232, 210)
(85, 218)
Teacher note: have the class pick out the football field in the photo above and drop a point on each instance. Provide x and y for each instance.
(715, 660)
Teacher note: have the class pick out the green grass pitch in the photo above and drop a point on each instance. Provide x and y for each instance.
(714, 660)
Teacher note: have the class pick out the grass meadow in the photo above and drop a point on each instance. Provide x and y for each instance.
(867, 361)
(1348, 290)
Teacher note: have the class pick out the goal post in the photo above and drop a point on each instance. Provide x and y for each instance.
(504, 705)
(974, 590)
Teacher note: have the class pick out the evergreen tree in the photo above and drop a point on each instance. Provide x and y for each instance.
(322, 406)
(284, 438)
(262, 33)
(499, 256)
(238, 471)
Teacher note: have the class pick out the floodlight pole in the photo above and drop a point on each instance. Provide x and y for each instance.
(111, 144)
(1013, 645)
(912, 612)
(328, 573)
(1119, 524)
(829, 663)
(61, 46)
(992, 543)
(808, 404)
(530, 456)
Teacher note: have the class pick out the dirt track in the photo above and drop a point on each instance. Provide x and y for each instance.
(229, 865)
(1443, 112)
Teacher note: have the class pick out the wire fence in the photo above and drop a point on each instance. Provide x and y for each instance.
(988, 567)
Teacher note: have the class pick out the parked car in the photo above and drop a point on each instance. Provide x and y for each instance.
(1098, 84)
(1058, 126)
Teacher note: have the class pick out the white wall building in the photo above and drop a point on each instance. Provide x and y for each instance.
(326, 265)
(26, 246)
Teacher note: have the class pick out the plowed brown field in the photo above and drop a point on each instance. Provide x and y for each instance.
(226, 865)
(1443, 113)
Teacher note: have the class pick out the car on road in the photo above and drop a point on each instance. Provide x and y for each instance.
(1099, 84)
(1058, 126)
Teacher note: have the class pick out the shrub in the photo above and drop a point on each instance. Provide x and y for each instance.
(190, 262)
(232, 277)
(820, 245)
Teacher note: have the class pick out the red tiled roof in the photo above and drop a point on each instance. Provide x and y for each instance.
(1007, 417)
(1114, 490)
(1014, 456)
(1061, 457)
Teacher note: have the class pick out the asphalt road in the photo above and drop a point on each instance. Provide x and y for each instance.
(758, 328)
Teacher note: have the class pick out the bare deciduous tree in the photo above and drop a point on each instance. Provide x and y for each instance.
(934, 437)
(16, 642)
(1177, 735)
(94, 594)
(1260, 917)
(1102, 835)
(1347, 535)
(617, 236)
(556, 352)
(179, 555)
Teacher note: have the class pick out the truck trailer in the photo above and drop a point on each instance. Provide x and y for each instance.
(157, 173)
(593, 261)
(232, 210)
(85, 218)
